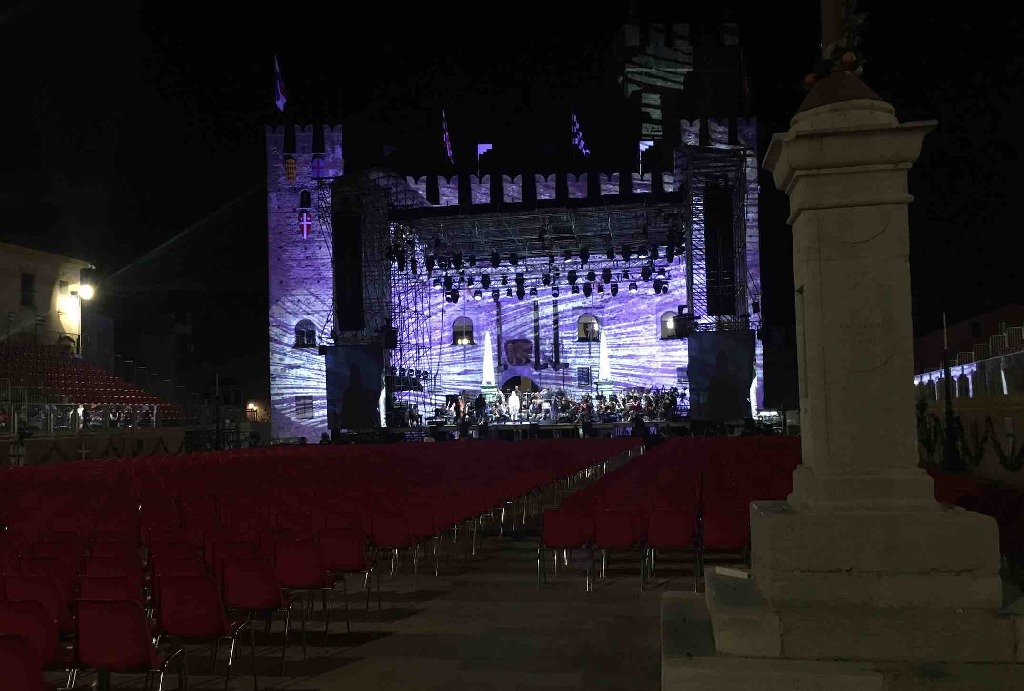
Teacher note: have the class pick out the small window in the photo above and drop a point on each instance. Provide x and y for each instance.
(63, 287)
(668, 325)
(28, 290)
(304, 200)
(303, 407)
(462, 331)
(305, 334)
(587, 329)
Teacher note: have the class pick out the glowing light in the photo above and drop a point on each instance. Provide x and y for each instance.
(252, 406)
(488, 378)
(604, 367)
(86, 291)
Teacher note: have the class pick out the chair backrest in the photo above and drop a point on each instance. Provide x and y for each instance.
(71, 553)
(565, 530)
(231, 550)
(22, 668)
(173, 550)
(9, 559)
(31, 619)
(213, 536)
(342, 549)
(113, 635)
(110, 588)
(251, 584)
(671, 530)
(40, 587)
(614, 529)
(298, 564)
(191, 607)
(391, 530)
(113, 548)
(127, 566)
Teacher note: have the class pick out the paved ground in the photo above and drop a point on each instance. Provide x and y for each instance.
(482, 624)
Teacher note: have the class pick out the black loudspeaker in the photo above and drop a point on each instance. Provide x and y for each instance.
(347, 232)
(390, 338)
(719, 249)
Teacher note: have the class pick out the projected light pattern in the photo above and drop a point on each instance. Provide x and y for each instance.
(300, 283)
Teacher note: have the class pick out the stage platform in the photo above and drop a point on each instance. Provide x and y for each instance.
(545, 429)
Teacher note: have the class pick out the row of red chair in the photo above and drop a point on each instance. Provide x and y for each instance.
(685, 493)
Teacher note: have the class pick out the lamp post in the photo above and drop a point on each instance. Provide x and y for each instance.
(86, 291)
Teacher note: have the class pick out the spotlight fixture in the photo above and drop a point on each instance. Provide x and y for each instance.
(654, 252)
(575, 289)
(626, 252)
(641, 252)
(567, 256)
(606, 275)
(457, 261)
(632, 287)
(472, 260)
(625, 275)
(645, 272)
(495, 294)
(611, 253)
(513, 259)
(661, 271)
(504, 280)
(477, 295)
(520, 279)
(520, 293)
(469, 281)
(591, 276)
(554, 291)
(657, 285)
(533, 291)
(455, 296)
(664, 287)
(485, 281)
(584, 255)
(437, 282)
(431, 262)
(572, 276)
(508, 292)
(495, 260)
(447, 282)
(587, 289)
(546, 279)
(600, 287)
(615, 289)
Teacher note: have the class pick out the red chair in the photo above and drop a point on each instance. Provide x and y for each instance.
(343, 551)
(172, 550)
(391, 533)
(298, 565)
(114, 636)
(110, 588)
(44, 589)
(22, 668)
(672, 531)
(192, 611)
(616, 530)
(113, 548)
(31, 620)
(128, 567)
(564, 531)
(251, 586)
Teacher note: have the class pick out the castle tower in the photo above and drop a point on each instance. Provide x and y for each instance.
(300, 275)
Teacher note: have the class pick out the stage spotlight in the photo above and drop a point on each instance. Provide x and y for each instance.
(485, 281)
(455, 296)
(401, 372)
(469, 281)
(554, 291)
(567, 256)
(657, 286)
(632, 287)
(654, 252)
(664, 287)
(606, 275)
(572, 276)
(591, 276)
(472, 260)
(625, 274)
(478, 295)
(626, 252)
(431, 262)
(504, 280)
(587, 289)
(520, 293)
(457, 261)
(646, 272)
(575, 289)
(600, 287)
(533, 291)
(437, 282)
(496, 294)
(520, 279)
(495, 260)
(513, 259)
(508, 292)
(393, 370)
(584, 255)
(447, 282)
(641, 252)
(546, 279)
(615, 289)
(611, 253)
(661, 271)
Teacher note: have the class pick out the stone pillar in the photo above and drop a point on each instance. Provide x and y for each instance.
(861, 563)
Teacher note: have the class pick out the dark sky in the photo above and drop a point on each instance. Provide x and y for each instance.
(134, 131)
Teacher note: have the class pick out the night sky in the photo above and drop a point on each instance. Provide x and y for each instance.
(134, 137)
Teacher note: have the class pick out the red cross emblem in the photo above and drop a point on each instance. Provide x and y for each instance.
(305, 223)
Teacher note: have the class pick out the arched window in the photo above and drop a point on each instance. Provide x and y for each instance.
(462, 331)
(587, 329)
(668, 325)
(304, 200)
(305, 334)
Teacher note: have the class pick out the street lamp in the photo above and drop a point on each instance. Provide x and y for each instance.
(86, 291)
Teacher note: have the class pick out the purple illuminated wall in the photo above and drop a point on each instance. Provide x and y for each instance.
(300, 283)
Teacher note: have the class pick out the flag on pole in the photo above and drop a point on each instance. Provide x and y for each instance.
(279, 98)
(447, 139)
(577, 137)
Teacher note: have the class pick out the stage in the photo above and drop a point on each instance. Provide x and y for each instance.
(517, 431)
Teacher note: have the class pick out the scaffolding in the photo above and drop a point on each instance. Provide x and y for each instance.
(703, 168)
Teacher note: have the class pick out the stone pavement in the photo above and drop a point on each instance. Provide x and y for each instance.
(482, 624)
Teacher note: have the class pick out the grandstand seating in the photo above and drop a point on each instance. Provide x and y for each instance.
(51, 371)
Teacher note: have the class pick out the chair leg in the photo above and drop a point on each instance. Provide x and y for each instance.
(214, 649)
(252, 648)
(604, 562)
(367, 587)
(643, 566)
(327, 595)
(303, 620)
(437, 553)
(183, 670)
(415, 565)
(231, 657)
(287, 634)
(540, 564)
(344, 589)
(378, 591)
